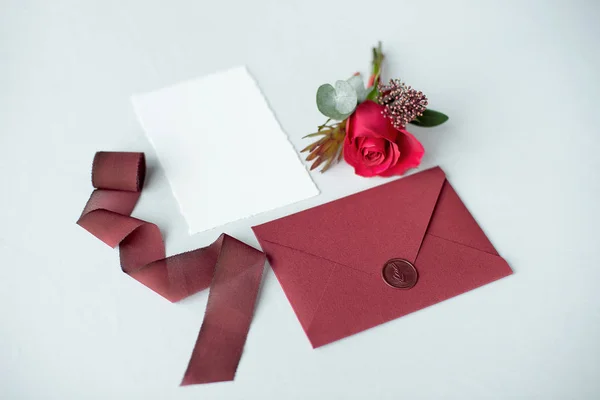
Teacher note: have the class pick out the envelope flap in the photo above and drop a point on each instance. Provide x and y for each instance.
(364, 230)
(453, 221)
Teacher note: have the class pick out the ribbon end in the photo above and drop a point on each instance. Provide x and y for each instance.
(191, 380)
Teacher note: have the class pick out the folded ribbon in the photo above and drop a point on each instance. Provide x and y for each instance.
(232, 269)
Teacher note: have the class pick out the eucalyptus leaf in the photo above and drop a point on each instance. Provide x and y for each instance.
(326, 98)
(359, 87)
(430, 118)
(346, 97)
(337, 102)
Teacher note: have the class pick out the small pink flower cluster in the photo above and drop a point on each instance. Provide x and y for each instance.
(402, 103)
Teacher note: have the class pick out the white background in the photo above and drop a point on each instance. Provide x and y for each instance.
(519, 80)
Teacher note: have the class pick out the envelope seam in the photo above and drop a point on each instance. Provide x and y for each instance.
(321, 257)
(465, 245)
(320, 300)
(437, 202)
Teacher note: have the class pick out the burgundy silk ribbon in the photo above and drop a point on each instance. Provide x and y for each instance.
(232, 269)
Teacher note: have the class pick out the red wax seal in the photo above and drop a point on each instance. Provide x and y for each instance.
(399, 273)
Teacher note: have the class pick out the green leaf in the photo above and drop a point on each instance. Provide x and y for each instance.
(315, 134)
(326, 100)
(430, 118)
(373, 94)
(346, 97)
(337, 102)
(356, 81)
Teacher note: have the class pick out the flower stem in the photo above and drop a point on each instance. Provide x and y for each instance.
(377, 63)
(324, 125)
(376, 73)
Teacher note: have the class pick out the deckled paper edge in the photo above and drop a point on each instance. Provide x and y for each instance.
(138, 116)
(141, 122)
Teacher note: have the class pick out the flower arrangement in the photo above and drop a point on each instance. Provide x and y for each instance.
(370, 133)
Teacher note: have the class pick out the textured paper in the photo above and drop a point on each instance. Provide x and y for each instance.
(222, 150)
(331, 270)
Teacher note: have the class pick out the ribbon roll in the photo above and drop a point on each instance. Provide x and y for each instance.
(232, 269)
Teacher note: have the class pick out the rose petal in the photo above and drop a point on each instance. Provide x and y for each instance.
(372, 150)
(363, 170)
(391, 156)
(351, 152)
(371, 158)
(367, 121)
(411, 153)
(372, 143)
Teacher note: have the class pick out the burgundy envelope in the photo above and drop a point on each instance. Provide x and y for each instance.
(330, 259)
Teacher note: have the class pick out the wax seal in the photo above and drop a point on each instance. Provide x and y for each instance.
(399, 273)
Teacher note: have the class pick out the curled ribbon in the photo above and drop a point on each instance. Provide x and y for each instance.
(232, 269)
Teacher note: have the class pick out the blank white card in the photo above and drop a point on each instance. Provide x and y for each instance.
(221, 148)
